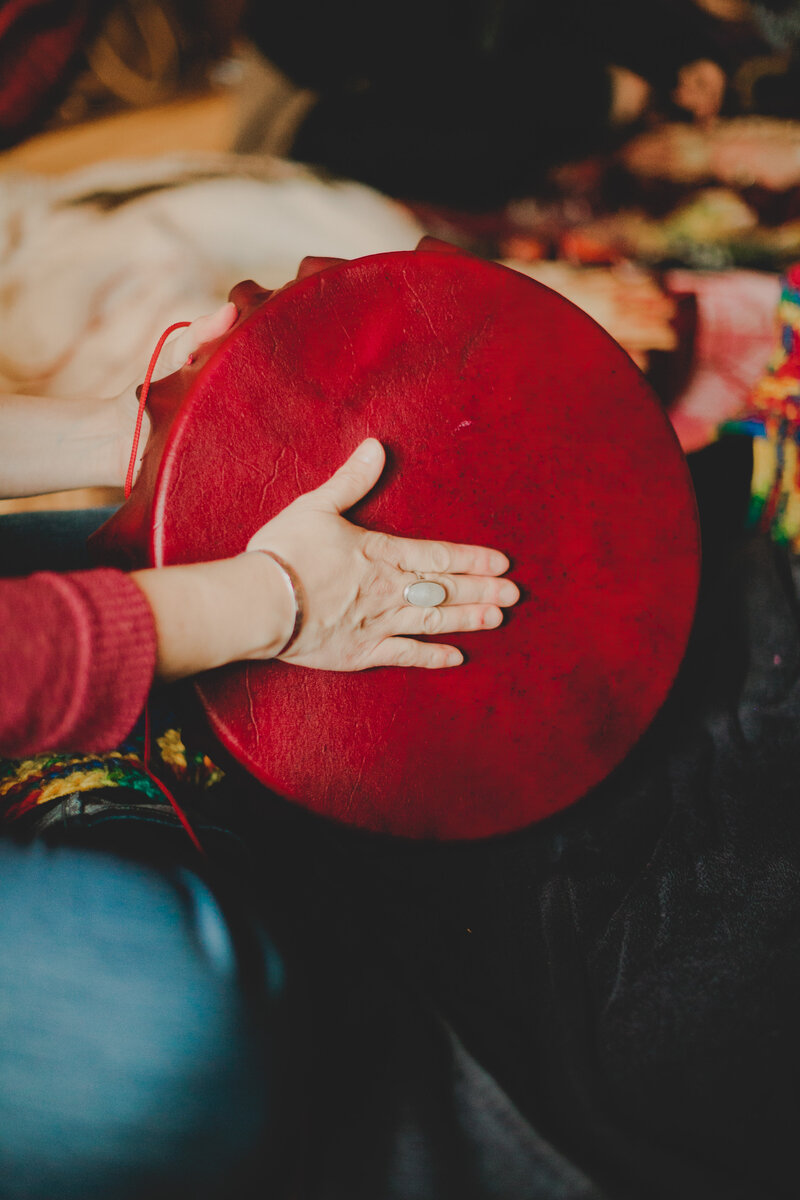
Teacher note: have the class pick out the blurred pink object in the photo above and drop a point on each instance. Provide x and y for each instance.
(737, 323)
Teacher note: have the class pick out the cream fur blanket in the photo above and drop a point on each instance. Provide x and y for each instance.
(95, 264)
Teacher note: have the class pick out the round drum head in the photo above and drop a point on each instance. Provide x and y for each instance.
(510, 419)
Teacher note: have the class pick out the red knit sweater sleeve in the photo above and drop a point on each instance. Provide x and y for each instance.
(77, 655)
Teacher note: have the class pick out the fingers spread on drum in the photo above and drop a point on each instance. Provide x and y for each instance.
(447, 619)
(409, 554)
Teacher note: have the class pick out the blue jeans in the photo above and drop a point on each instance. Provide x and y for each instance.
(132, 1058)
(132, 1061)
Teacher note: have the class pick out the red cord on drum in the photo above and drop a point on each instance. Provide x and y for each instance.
(143, 391)
(145, 388)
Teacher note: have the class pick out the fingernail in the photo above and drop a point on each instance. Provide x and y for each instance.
(368, 451)
(454, 659)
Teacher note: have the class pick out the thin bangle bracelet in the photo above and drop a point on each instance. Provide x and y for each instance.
(295, 591)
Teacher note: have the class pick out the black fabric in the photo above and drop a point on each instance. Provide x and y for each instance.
(466, 105)
(48, 541)
(629, 971)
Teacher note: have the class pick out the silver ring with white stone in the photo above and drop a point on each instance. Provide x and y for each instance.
(425, 593)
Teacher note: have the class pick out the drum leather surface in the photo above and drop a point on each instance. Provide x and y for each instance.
(510, 419)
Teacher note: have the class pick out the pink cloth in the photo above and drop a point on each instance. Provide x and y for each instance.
(737, 331)
(77, 655)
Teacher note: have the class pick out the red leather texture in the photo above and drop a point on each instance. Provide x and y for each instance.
(510, 419)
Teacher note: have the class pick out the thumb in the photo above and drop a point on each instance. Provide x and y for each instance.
(202, 330)
(354, 478)
(213, 325)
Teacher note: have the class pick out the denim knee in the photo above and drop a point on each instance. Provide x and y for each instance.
(132, 1062)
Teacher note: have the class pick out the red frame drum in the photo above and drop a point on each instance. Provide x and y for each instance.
(510, 419)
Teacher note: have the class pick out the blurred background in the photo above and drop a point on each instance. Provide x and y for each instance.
(643, 160)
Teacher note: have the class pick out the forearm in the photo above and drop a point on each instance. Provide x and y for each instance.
(53, 444)
(209, 614)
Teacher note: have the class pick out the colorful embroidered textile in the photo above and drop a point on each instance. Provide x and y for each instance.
(772, 418)
(27, 784)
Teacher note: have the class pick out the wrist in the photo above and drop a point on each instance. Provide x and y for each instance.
(294, 592)
(272, 603)
(211, 614)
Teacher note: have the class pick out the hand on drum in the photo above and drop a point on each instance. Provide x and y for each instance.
(174, 353)
(350, 598)
(355, 583)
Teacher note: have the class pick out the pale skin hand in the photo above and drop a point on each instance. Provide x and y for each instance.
(701, 89)
(353, 580)
(630, 96)
(54, 444)
(174, 353)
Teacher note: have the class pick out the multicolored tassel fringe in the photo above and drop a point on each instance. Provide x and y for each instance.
(772, 418)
